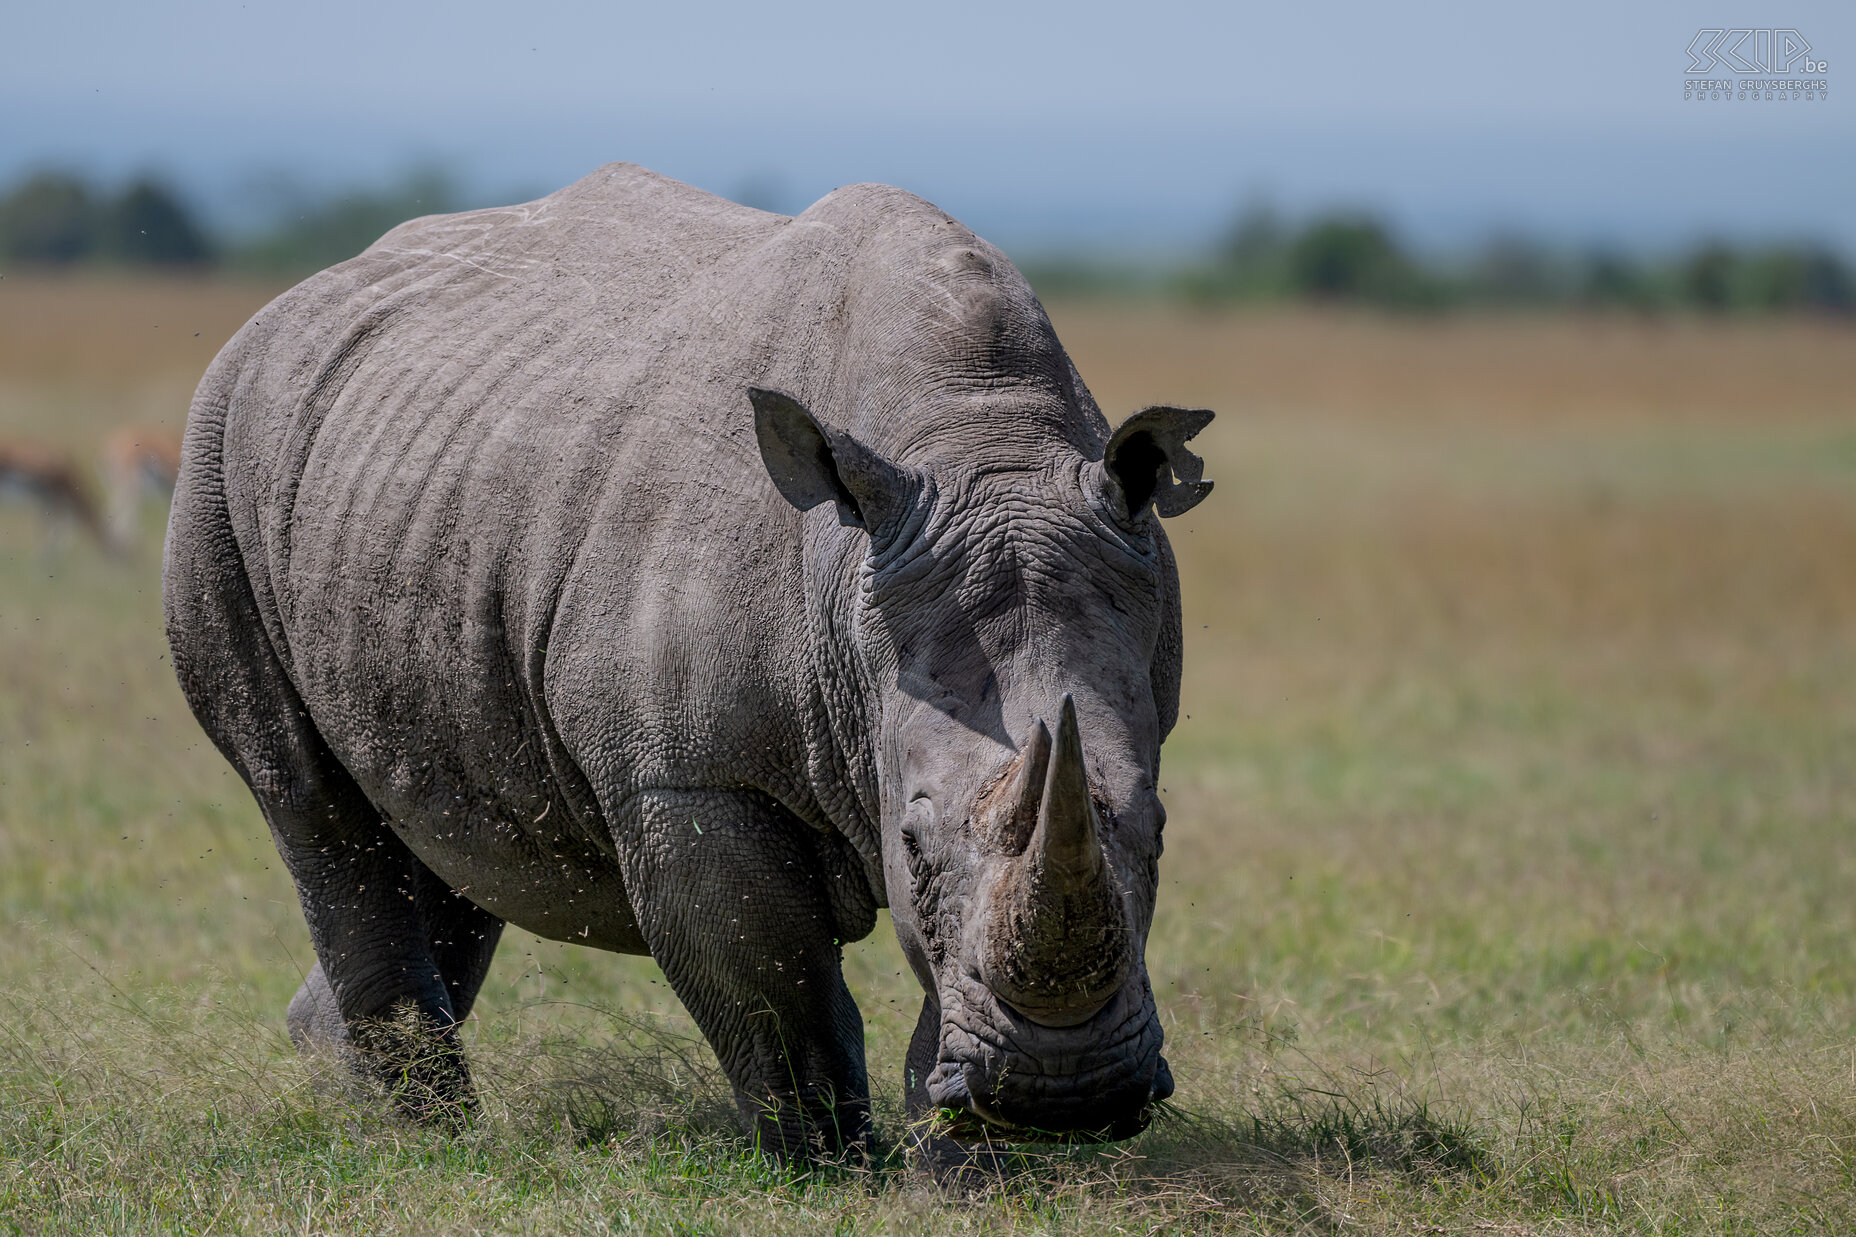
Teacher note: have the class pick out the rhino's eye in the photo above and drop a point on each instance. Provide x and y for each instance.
(920, 875)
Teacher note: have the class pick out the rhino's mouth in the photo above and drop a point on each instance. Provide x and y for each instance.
(1003, 1077)
(977, 1121)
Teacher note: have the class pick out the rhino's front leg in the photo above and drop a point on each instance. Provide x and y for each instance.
(730, 896)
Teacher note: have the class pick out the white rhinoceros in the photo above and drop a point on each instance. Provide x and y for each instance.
(676, 578)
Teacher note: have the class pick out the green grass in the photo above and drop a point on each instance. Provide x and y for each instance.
(1507, 890)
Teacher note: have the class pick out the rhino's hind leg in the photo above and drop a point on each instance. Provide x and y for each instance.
(730, 895)
(400, 954)
(313, 1019)
(462, 940)
(409, 956)
(400, 957)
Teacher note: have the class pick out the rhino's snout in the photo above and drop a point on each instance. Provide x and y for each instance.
(1001, 1074)
(947, 1087)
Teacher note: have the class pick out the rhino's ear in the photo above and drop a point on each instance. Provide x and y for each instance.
(812, 463)
(1149, 451)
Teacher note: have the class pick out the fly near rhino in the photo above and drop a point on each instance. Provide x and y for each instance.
(676, 578)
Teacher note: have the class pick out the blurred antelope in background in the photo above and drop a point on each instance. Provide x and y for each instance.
(54, 484)
(138, 461)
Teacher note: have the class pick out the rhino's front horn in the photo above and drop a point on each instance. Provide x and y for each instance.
(1057, 941)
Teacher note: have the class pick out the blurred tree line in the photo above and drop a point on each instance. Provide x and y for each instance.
(57, 219)
(1355, 258)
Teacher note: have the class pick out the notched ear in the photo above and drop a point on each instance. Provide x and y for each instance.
(812, 463)
(1149, 451)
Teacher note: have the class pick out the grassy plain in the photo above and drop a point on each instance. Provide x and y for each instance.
(1509, 873)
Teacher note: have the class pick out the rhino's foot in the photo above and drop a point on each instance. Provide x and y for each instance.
(313, 1020)
(810, 1128)
(404, 1054)
(419, 1063)
(321, 1038)
(322, 1041)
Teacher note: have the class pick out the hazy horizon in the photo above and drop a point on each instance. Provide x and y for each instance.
(1042, 130)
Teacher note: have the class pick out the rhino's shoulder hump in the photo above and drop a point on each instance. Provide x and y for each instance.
(875, 213)
(612, 215)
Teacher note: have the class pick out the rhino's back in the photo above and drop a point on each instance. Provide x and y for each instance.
(495, 486)
(540, 324)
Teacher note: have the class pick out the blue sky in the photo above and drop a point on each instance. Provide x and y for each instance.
(1137, 127)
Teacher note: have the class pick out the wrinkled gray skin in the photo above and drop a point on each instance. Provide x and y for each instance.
(671, 577)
